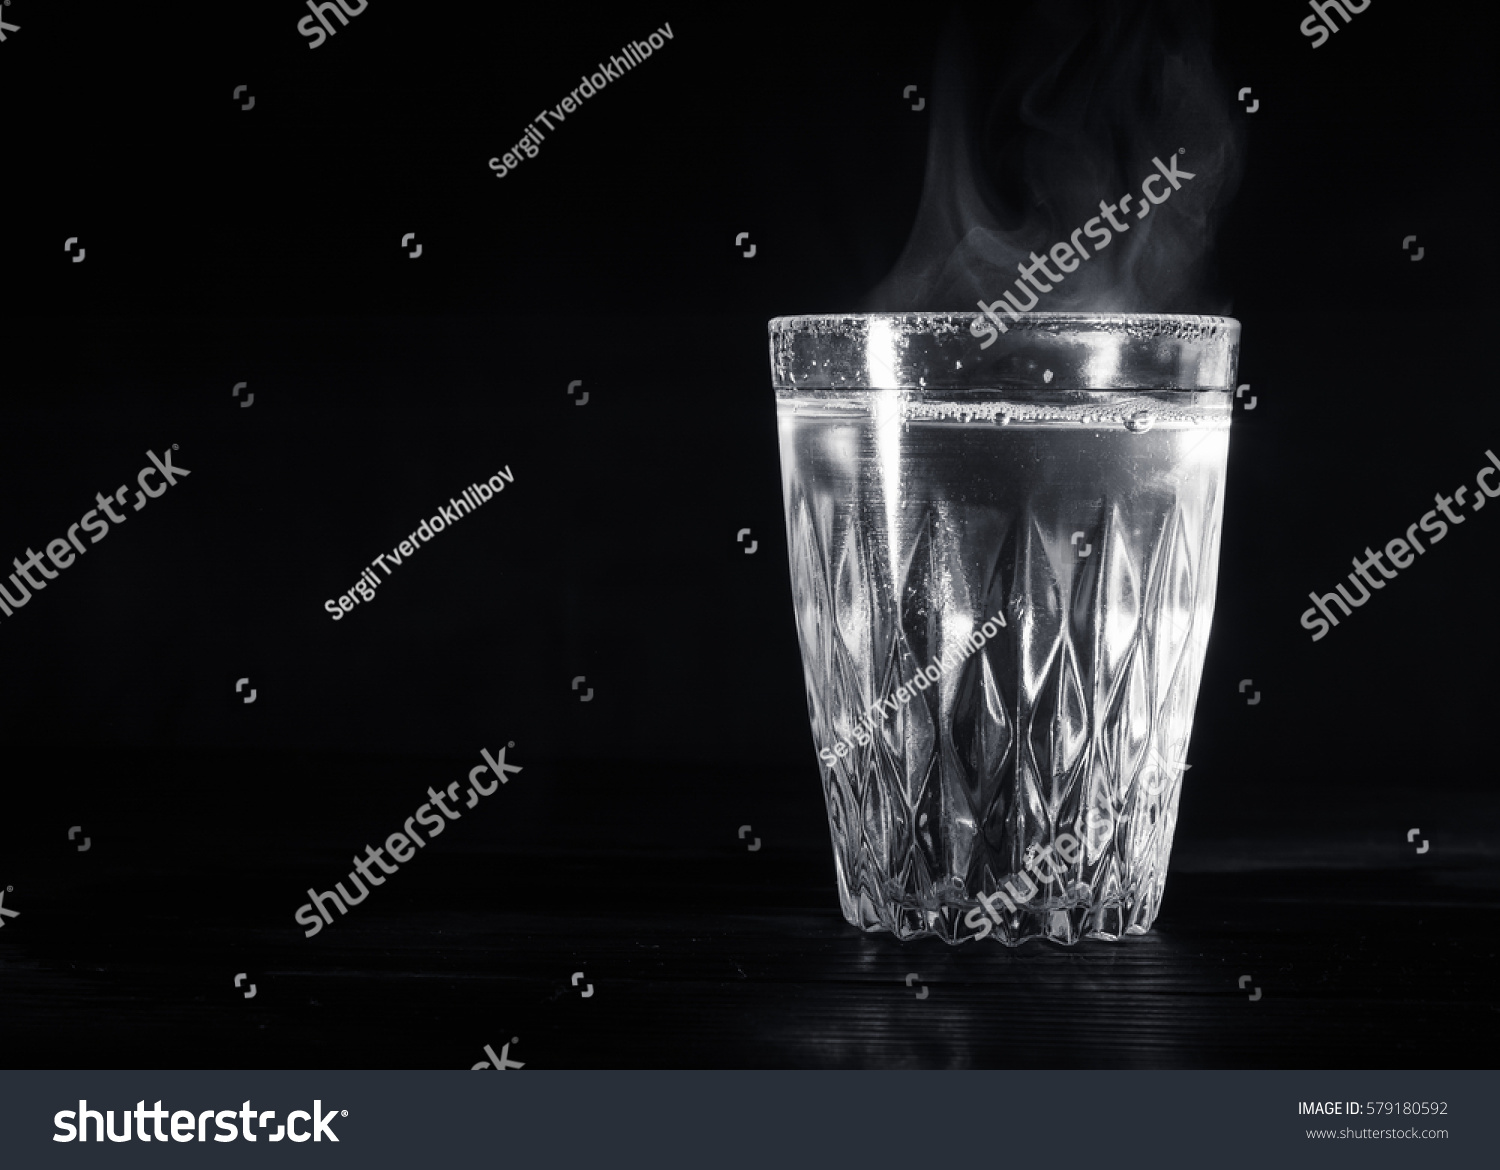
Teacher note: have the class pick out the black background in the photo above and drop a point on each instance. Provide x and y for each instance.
(263, 246)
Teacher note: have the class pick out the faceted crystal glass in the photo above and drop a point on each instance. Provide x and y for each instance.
(1003, 550)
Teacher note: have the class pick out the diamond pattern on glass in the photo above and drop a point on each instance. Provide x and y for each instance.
(1071, 723)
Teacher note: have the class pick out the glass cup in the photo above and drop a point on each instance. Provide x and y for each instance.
(1003, 548)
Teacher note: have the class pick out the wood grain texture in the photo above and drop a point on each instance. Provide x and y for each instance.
(736, 960)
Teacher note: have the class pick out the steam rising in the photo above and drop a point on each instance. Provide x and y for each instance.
(1037, 118)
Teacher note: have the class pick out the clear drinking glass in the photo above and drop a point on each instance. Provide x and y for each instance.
(1003, 556)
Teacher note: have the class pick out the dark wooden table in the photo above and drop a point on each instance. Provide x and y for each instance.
(727, 958)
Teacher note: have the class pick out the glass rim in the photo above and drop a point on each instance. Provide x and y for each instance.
(1208, 320)
(980, 351)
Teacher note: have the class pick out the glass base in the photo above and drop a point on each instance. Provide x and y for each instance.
(1066, 918)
